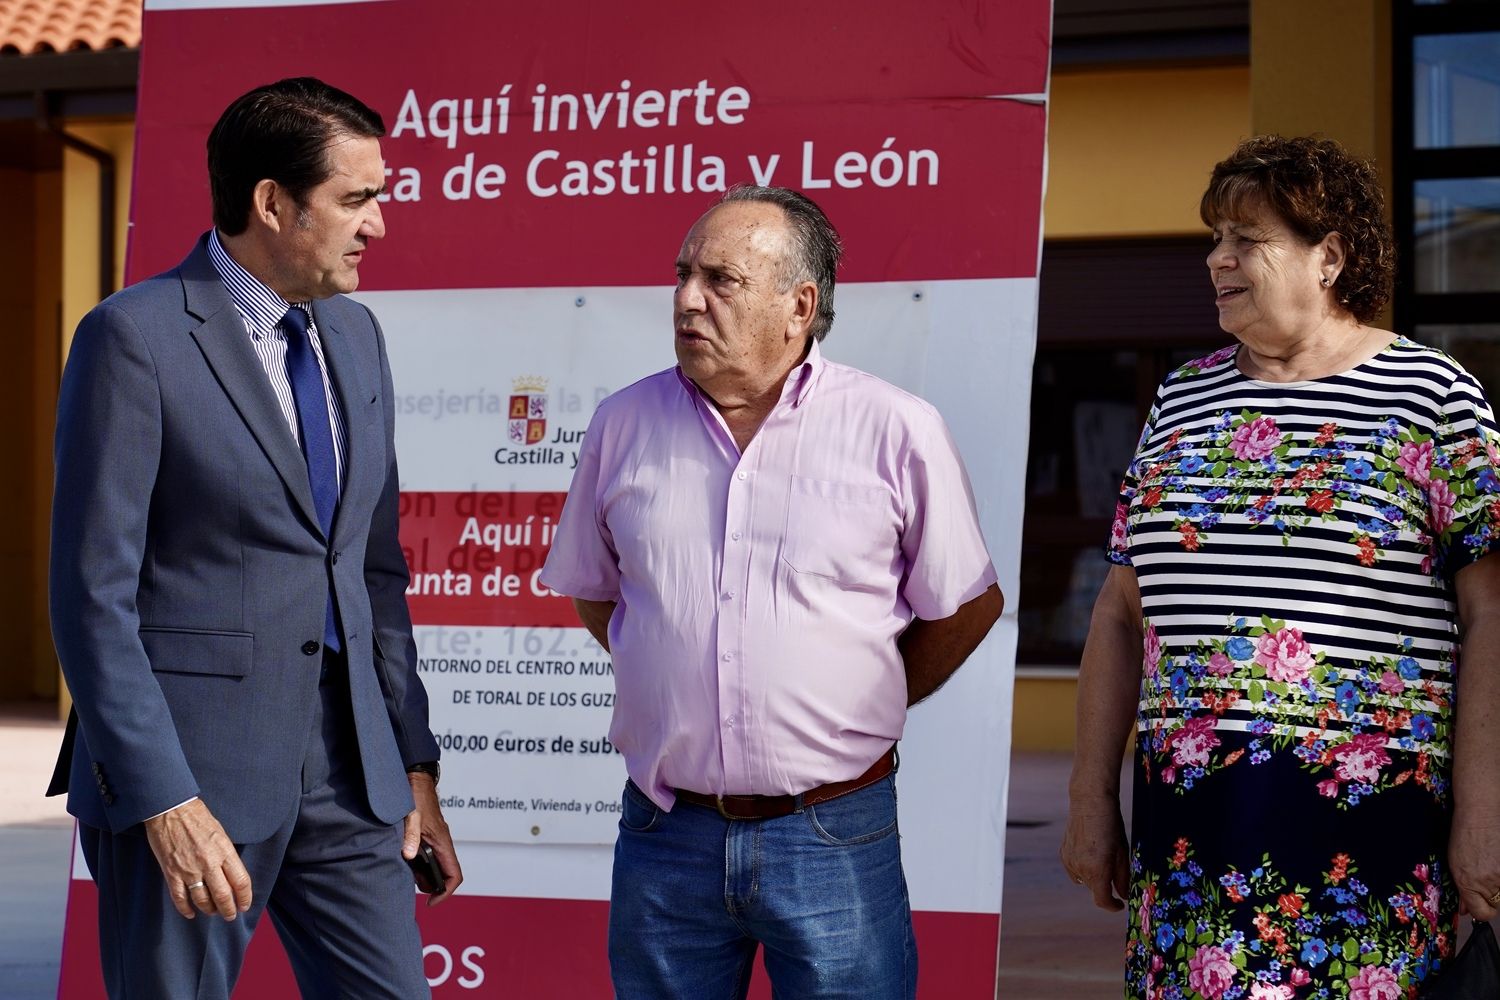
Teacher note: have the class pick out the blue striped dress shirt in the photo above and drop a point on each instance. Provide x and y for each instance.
(261, 310)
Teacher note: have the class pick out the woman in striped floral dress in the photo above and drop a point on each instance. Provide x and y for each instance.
(1298, 549)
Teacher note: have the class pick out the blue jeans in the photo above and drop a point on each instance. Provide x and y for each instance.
(695, 894)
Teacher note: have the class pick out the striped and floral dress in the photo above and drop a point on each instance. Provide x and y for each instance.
(1295, 546)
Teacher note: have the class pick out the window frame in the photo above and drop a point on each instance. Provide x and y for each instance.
(1411, 165)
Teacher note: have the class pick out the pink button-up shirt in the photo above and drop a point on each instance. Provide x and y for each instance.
(760, 594)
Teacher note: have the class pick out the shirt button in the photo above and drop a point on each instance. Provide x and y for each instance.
(742, 475)
(728, 595)
(735, 536)
(727, 657)
(729, 722)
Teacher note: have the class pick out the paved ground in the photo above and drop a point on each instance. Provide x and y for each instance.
(1053, 945)
(36, 842)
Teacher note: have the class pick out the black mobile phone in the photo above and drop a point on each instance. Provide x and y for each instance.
(428, 872)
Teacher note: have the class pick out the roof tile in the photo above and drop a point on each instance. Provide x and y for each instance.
(31, 26)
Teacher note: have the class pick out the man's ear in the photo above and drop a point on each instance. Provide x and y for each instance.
(804, 310)
(272, 206)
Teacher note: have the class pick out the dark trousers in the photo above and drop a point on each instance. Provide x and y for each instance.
(332, 878)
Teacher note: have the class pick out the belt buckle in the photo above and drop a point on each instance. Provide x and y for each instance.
(719, 803)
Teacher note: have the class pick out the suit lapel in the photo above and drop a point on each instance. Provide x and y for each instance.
(222, 339)
(343, 373)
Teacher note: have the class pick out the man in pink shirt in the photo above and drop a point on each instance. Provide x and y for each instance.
(781, 554)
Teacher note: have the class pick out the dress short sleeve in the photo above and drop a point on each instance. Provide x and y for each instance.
(1463, 489)
(1118, 550)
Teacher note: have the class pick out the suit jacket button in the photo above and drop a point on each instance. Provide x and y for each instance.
(109, 798)
(98, 769)
(310, 647)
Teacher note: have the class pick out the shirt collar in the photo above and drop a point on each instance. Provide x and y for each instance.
(807, 374)
(252, 297)
(799, 381)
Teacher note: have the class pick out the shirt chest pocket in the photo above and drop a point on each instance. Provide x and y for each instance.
(844, 532)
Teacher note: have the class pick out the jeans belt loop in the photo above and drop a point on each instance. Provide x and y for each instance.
(797, 804)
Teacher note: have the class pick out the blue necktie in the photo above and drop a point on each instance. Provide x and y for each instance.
(317, 437)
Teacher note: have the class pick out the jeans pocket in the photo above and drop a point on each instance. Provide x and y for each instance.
(638, 814)
(857, 818)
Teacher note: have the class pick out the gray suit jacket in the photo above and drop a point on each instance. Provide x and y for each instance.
(189, 573)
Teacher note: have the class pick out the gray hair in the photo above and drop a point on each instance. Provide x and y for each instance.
(818, 248)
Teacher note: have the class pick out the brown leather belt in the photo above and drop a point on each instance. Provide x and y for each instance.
(772, 806)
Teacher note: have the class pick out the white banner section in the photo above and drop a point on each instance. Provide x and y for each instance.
(494, 389)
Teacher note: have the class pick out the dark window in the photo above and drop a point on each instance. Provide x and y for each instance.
(1476, 346)
(1120, 32)
(1446, 131)
(1114, 317)
(1456, 90)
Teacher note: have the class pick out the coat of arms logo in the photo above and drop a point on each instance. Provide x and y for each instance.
(528, 410)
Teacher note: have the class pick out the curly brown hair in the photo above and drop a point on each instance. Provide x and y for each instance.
(1317, 187)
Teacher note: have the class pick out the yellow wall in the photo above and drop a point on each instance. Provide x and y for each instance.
(1042, 717)
(81, 216)
(1324, 68)
(78, 291)
(1129, 151)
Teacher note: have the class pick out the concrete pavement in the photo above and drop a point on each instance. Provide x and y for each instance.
(1054, 943)
(36, 847)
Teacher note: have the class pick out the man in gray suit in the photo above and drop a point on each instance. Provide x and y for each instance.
(227, 586)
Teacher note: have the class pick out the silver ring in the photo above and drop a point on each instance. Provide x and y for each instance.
(195, 885)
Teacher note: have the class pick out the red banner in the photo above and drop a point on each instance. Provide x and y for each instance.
(474, 558)
(520, 949)
(537, 148)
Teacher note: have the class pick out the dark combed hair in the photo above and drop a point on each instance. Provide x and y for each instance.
(1317, 187)
(279, 132)
(817, 243)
